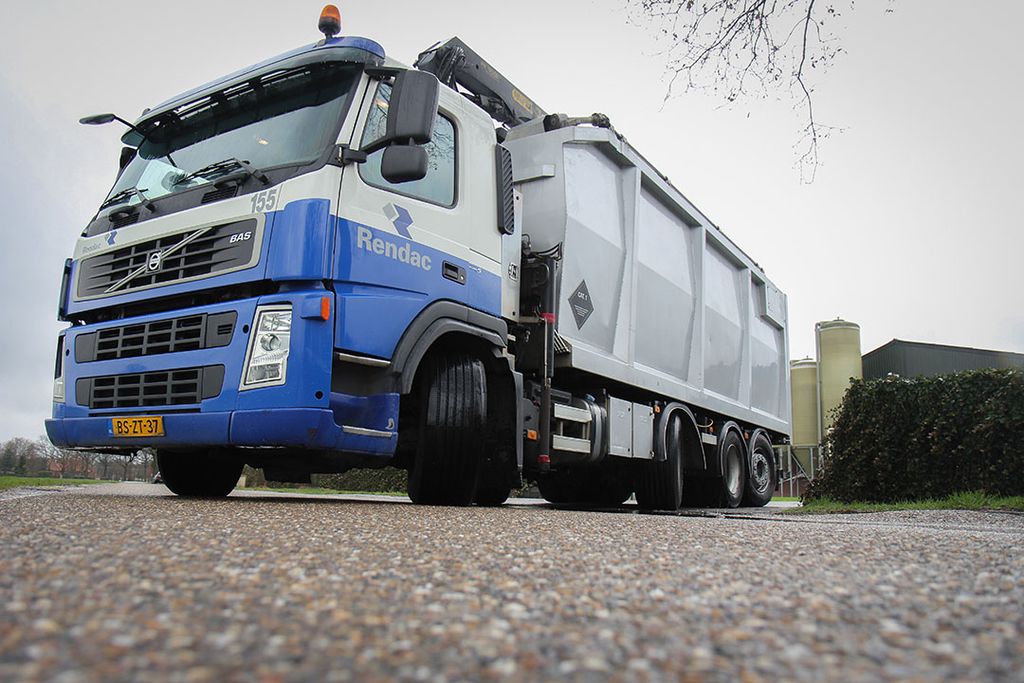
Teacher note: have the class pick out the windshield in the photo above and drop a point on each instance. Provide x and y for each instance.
(285, 118)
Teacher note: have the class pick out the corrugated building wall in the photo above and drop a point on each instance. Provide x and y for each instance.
(912, 359)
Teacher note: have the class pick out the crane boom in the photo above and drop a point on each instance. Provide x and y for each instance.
(456, 64)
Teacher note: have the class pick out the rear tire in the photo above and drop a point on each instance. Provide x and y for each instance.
(453, 408)
(199, 474)
(734, 471)
(761, 473)
(659, 485)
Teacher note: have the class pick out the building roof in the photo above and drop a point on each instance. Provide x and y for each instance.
(904, 342)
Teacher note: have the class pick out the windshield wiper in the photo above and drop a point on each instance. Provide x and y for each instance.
(222, 167)
(126, 194)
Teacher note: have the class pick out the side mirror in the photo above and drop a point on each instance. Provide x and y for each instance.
(411, 111)
(403, 163)
(97, 119)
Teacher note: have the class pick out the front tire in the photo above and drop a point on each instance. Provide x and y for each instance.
(199, 474)
(492, 495)
(453, 409)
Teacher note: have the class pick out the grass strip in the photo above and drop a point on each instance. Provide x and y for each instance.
(10, 482)
(967, 500)
(321, 492)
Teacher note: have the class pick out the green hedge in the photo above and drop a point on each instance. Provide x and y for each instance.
(910, 439)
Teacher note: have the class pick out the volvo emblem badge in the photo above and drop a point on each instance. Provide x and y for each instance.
(154, 260)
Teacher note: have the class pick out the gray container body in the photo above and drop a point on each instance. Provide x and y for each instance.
(652, 293)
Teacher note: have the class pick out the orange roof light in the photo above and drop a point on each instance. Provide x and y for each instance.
(330, 21)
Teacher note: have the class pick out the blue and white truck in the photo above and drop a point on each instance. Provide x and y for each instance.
(331, 260)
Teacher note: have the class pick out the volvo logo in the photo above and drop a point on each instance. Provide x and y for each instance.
(154, 260)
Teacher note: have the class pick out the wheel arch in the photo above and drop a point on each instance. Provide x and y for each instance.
(446, 324)
(693, 451)
(447, 327)
(727, 427)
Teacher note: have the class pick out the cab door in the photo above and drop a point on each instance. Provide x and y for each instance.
(401, 247)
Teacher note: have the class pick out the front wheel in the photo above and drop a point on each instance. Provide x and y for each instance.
(492, 495)
(452, 411)
(199, 474)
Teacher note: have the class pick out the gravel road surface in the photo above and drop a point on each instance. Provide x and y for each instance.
(126, 582)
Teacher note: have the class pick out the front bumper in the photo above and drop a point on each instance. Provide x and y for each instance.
(301, 413)
(307, 428)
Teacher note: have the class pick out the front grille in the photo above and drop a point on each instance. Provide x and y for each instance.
(188, 333)
(169, 259)
(184, 386)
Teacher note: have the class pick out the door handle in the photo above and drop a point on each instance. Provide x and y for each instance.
(453, 272)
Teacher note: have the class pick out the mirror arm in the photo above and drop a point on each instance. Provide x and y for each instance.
(382, 72)
(346, 155)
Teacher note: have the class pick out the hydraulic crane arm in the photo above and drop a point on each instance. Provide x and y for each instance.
(456, 64)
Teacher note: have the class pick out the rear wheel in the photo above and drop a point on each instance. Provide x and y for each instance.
(659, 485)
(734, 474)
(761, 473)
(453, 407)
(199, 474)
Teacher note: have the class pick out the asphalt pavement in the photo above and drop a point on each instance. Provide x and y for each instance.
(127, 582)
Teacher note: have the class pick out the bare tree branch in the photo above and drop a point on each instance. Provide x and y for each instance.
(743, 49)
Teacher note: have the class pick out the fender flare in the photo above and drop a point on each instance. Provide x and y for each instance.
(720, 459)
(661, 429)
(435, 321)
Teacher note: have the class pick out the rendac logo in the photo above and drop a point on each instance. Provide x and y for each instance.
(385, 247)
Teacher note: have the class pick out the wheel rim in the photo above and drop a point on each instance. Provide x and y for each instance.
(733, 467)
(760, 471)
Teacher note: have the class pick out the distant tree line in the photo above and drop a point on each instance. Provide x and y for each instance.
(40, 458)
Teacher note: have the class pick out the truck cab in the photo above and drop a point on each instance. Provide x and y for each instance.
(249, 292)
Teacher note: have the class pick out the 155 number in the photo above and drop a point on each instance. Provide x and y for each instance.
(264, 201)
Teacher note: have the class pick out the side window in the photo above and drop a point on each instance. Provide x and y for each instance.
(438, 186)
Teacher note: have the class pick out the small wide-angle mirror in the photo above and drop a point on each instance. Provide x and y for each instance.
(403, 163)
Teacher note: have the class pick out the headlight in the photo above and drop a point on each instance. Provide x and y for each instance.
(58, 372)
(266, 362)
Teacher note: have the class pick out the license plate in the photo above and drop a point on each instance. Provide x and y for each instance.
(137, 426)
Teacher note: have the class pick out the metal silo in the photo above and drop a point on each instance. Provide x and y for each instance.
(839, 360)
(804, 392)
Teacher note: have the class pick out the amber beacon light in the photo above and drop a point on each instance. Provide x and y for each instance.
(330, 21)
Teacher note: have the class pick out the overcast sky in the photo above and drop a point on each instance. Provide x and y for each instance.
(912, 227)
